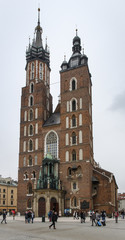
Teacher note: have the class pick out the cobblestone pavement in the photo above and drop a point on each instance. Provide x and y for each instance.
(66, 228)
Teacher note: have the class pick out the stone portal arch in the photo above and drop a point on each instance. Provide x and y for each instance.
(41, 207)
(54, 205)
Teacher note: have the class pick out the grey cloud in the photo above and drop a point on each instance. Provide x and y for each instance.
(118, 103)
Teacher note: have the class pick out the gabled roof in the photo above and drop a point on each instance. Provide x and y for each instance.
(105, 174)
(53, 120)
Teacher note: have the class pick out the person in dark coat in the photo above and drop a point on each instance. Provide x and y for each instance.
(103, 215)
(53, 220)
(4, 217)
(93, 218)
(29, 216)
(82, 215)
(26, 217)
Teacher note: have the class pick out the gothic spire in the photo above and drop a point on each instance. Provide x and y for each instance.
(38, 31)
(36, 49)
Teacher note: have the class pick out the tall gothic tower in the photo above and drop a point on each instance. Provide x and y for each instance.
(36, 107)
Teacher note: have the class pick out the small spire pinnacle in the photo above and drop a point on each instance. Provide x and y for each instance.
(76, 32)
(29, 41)
(46, 46)
(64, 57)
(38, 16)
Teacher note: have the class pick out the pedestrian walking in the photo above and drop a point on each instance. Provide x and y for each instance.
(4, 217)
(82, 215)
(56, 216)
(53, 220)
(103, 215)
(93, 217)
(116, 216)
(50, 215)
(32, 216)
(26, 217)
(29, 216)
(122, 213)
(13, 213)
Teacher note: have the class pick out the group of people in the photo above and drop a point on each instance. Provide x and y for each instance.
(99, 219)
(29, 216)
(13, 213)
(82, 215)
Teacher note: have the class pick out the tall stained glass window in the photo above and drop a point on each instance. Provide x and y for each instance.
(51, 144)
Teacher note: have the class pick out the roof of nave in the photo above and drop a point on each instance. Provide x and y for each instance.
(53, 120)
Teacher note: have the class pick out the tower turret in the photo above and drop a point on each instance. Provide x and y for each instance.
(77, 57)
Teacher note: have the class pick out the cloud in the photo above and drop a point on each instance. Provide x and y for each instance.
(118, 103)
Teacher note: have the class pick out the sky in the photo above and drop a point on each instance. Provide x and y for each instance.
(101, 27)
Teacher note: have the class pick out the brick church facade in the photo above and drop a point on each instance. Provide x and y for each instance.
(56, 164)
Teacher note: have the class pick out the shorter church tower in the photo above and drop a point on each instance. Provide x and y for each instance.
(76, 148)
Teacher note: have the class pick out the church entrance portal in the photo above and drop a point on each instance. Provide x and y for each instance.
(54, 205)
(41, 207)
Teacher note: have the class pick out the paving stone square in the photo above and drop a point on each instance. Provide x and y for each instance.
(67, 229)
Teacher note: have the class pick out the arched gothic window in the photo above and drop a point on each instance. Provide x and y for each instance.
(31, 130)
(40, 71)
(73, 121)
(30, 115)
(73, 138)
(34, 174)
(74, 185)
(74, 105)
(25, 175)
(30, 145)
(31, 88)
(31, 100)
(30, 161)
(73, 155)
(73, 84)
(51, 144)
(29, 188)
(69, 171)
(32, 69)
